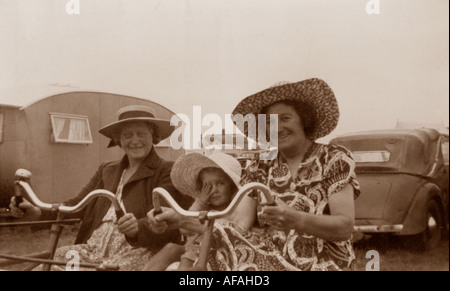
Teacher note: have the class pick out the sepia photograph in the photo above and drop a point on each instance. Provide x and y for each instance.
(212, 135)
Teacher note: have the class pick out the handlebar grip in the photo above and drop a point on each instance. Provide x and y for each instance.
(19, 199)
(20, 175)
(157, 209)
(119, 213)
(17, 194)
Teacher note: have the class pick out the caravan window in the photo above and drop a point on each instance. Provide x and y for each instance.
(68, 128)
(1, 127)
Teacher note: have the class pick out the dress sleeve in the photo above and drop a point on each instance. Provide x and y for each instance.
(339, 170)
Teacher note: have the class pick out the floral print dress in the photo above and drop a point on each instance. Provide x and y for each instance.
(107, 245)
(324, 171)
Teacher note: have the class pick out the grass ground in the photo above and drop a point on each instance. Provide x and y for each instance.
(395, 254)
(25, 240)
(400, 254)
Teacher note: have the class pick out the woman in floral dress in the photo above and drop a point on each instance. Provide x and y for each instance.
(314, 186)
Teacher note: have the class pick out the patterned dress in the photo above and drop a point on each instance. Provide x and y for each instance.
(107, 245)
(325, 170)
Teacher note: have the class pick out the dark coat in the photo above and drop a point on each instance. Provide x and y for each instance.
(136, 195)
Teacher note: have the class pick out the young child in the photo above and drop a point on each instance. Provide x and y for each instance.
(213, 181)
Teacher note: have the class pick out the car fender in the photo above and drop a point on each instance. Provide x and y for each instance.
(415, 220)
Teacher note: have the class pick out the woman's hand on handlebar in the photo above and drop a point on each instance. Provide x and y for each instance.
(128, 225)
(168, 219)
(24, 210)
(279, 216)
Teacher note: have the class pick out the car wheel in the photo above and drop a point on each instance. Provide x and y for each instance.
(434, 230)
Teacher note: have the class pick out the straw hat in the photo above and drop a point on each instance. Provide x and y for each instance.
(137, 113)
(315, 93)
(186, 169)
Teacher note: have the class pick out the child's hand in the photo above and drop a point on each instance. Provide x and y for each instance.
(205, 194)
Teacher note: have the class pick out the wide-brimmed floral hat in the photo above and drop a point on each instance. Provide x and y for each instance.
(137, 113)
(187, 168)
(314, 93)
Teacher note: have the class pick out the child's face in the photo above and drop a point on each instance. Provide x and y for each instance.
(221, 187)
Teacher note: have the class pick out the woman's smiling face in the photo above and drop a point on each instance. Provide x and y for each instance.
(136, 139)
(291, 134)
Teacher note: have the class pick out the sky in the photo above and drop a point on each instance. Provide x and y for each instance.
(383, 68)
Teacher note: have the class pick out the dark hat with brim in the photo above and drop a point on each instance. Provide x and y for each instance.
(135, 113)
(314, 93)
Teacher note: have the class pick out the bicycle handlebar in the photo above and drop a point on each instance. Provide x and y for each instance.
(157, 192)
(23, 176)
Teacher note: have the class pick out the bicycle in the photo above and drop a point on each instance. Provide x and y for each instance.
(22, 178)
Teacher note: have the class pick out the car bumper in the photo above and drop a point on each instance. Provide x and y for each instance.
(378, 228)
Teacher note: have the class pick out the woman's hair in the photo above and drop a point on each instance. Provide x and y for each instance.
(303, 110)
(151, 126)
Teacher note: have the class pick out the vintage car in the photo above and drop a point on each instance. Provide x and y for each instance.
(404, 179)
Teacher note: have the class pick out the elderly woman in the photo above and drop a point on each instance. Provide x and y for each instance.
(314, 186)
(127, 242)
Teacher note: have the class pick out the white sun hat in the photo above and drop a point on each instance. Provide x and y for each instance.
(186, 169)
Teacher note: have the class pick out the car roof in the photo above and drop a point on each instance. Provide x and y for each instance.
(421, 134)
